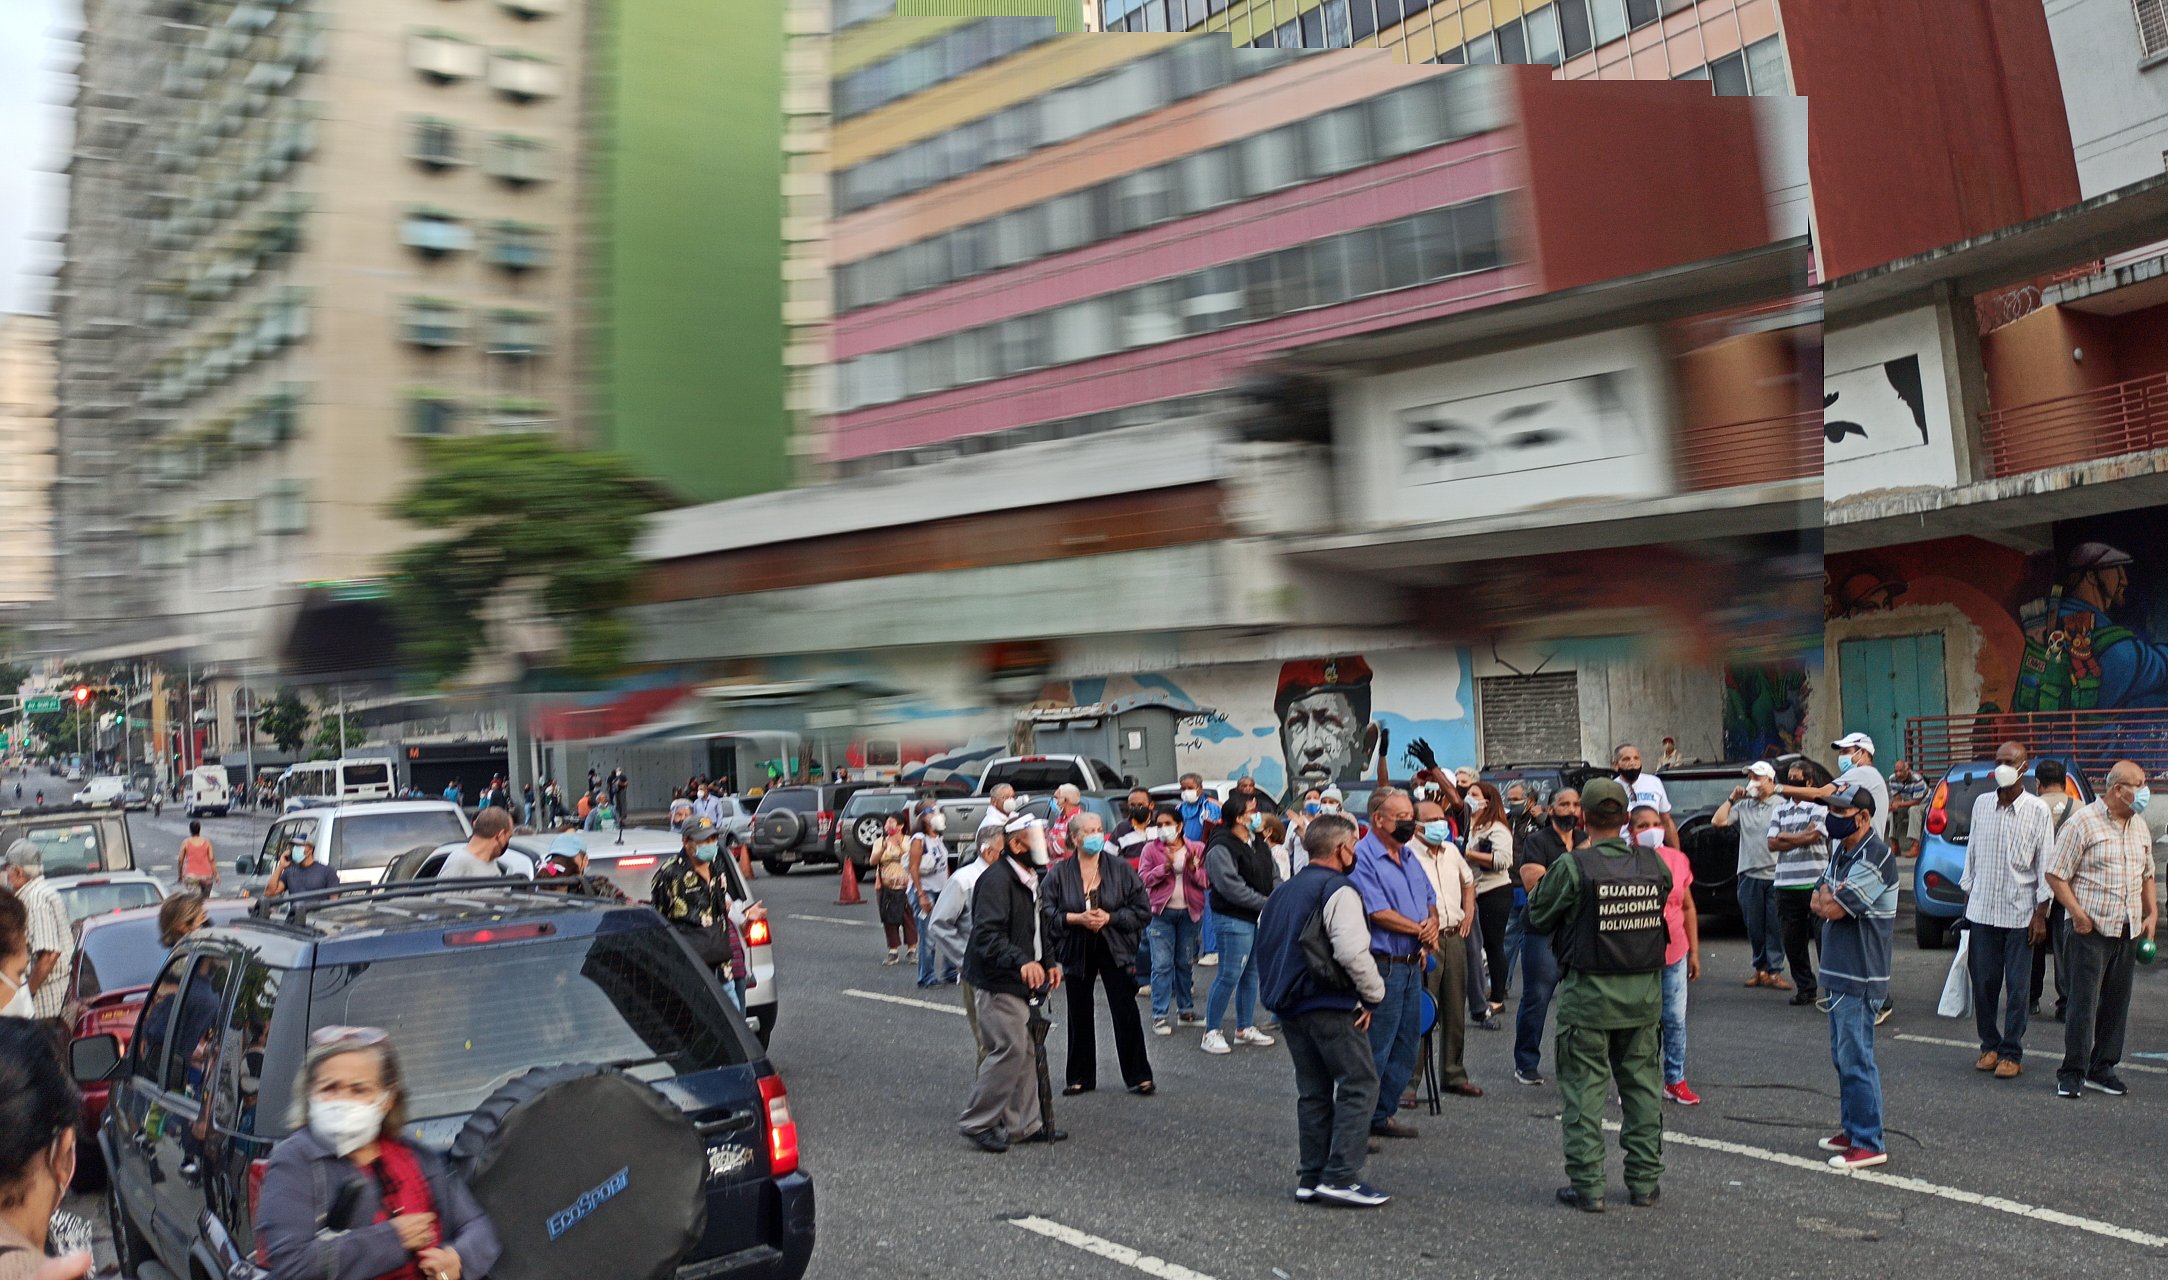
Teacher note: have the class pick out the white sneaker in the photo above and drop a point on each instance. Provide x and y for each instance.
(1207, 962)
(1251, 1035)
(1214, 1042)
(1160, 1027)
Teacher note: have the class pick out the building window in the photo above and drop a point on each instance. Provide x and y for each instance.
(435, 233)
(1337, 141)
(432, 413)
(524, 77)
(517, 160)
(436, 144)
(1543, 44)
(1765, 68)
(518, 335)
(518, 246)
(283, 509)
(2152, 18)
(444, 57)
(1729, 73)
(1363, 19)
(432, 322)
(1143, 199)
(1575, 32)
(532, 9)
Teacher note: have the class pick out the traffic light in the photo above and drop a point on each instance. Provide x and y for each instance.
(82, 694)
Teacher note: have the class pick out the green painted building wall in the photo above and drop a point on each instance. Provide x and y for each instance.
(684, 330)
(1068, 14)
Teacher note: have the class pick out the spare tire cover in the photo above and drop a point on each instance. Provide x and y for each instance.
(585, 1172)
(781, 828)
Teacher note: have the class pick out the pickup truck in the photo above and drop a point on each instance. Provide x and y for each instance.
(1031, 776)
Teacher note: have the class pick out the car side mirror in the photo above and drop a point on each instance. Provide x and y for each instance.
(93, 1058)
(244, 867)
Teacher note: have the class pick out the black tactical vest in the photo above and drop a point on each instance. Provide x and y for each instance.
(1620, 927)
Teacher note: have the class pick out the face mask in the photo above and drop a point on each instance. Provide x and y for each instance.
(1565, 821)
(1653, 838)
(346, 1127)
(1435, 834)
(1841, 829)
(940, 822)
(1171, 835)
(1476, 802)
(1629, 776)
(1094, 843)
(1313, 808)
(2140, 799)
(2006, 777)
(1257, 822)
(1140, 812)
(1009, 806)
(1330, 807)
(1189, 797)
(1403, 831)
(704, 852)
(1844, 758)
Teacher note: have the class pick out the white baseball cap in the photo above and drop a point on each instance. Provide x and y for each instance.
(1762, 769)
(1850, 740)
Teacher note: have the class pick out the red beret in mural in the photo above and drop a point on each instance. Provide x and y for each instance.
(1321, 675)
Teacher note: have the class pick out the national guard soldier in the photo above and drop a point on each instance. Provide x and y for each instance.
(1603, 906)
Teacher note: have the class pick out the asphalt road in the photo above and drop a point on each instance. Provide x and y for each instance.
(1199, 1177)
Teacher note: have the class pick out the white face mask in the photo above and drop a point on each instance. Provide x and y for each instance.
(940, 823)
(1653, 838)
(346, 1127)
(1331, 807)
(1171, 835)
(2006, 776)
(1189, 797)
(1476, 802)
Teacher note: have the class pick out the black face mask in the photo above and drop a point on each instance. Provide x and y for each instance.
(1629, 775)
(1403, 831)
(1140, 812)
(1565, 821)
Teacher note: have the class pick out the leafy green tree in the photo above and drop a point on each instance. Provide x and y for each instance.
(285, 718)
(518, 514)
(325, 745)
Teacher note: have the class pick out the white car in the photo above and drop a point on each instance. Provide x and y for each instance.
(359, 840)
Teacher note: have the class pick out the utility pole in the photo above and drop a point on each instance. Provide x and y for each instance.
(342, 721)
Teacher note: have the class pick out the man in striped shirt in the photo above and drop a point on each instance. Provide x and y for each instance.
(1796, 837)
(2006, 908)
(2103, 876)
(1856, 899)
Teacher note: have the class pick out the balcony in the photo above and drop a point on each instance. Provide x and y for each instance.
(1758, 451)
(2090, 741)
(2105, 422)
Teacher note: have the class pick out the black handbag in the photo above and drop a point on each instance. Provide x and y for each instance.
(1317, 957)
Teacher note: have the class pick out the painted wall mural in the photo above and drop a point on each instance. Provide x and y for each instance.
(1874, 409)
(1765, 710)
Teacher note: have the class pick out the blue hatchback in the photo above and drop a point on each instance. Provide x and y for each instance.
(1938, 895)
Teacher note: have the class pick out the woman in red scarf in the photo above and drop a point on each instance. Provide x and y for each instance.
(346, 1198)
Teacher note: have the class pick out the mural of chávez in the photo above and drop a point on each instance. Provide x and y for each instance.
(2077, 657)
(1323, 707)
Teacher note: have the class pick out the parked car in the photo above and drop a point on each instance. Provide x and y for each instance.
(206, 1086)
(74, 839)
(357, 840)
(797, 824)
(1697, 791)
(116, 956)
(101, 892)
(1938, 877)
(859, 824)
(1032, 777)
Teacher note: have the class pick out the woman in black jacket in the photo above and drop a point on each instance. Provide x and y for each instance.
(1096, 908)
(1238, 865)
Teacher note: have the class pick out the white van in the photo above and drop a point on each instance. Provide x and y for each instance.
(207, 791)
(101, 791)
(319, 782)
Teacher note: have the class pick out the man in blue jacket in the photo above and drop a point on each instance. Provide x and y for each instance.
(1322, 984)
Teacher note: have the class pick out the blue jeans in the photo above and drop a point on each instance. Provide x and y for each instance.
(2001, 964)
(1396, 1036)
(1516, 929)
(928, 953)
(1237, 976)
(1539, 980)
(1859, 1081)
(1764, 931)
(1674, 1024)
(1174, 949)
(1211, 943)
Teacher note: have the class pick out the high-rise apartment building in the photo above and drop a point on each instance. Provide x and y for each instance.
(303, 235)
(26, 459)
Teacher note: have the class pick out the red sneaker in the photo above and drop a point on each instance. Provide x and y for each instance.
(1858, 1158)
(1682, 1094)
(1838, 1143)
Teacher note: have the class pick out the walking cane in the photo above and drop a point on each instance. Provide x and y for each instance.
(1039, 1025)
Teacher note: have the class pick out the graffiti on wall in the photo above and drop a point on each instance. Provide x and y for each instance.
(1765, 710)
(1873, 409)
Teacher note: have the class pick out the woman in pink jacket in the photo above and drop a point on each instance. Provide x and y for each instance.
(1173, 871)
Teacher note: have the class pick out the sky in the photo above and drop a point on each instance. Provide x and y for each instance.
(36, 50)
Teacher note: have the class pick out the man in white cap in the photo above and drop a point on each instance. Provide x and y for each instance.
(1008, 963)
(1855, 756)
(1750, 810)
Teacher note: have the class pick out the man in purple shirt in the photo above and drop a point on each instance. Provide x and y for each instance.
(1403, 911)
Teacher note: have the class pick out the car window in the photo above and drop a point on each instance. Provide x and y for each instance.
(86, 900)
(71, 848)
(1032, 775)
(1693, 795)
(1108, 774)
(376, 839)
(195, 1027)
(465, 1022)
(1958, 804)
(877, 802)
(365, 774)
(802, 799)
(248, 1030)
(276, 839)
(147, 1051)
(123, 954)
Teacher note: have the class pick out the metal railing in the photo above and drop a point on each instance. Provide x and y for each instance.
(1757, 451)
(2120, 418)
(2089, 740)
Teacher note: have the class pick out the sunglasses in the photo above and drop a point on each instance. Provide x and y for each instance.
(347, 1035)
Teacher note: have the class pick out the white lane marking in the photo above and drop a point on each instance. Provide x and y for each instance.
(883, 996)
(855, 924)
(1968, 1044)
(1109, 1250)
(1899, 1181)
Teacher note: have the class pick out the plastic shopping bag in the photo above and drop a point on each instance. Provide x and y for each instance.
(1957, 988)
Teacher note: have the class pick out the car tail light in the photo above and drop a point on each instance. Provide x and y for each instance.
(498, 933)
(631, 863)
(1934, 880)
(255, 1198)
(827, 822)
(1938, 821)
(756, 934)
(782, 1130)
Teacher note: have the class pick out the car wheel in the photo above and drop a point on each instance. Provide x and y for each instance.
(1930, 931)
(130, 1249)
(775, 866)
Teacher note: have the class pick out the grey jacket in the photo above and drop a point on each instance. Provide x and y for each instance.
(304, 1179)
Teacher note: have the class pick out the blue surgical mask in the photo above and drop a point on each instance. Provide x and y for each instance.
(1845, 758)
(2140, 798)
(1257, 822)
(704, 852)
(1437, 834)
(1094, 843)
(1313, 808)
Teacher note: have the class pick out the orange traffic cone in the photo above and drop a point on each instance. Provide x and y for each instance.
(850, 896)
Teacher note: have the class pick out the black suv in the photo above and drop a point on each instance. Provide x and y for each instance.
(1697, 791)
(476, 983)
(797, 824)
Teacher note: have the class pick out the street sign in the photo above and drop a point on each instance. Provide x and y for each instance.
(41, 705)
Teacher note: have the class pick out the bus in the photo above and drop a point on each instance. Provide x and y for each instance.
(318, 782)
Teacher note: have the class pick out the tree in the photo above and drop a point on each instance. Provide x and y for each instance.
(326, 743)
(286, 719)
(520, 516)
